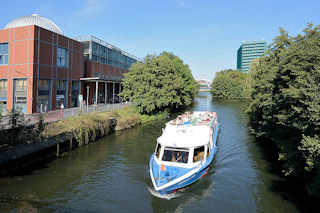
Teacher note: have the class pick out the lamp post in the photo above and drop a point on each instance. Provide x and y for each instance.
(88, 89)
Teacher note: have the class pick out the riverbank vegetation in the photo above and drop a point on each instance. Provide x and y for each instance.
(129, 116)
(88, 127)
(160, 83)
(44, 142)
(83, 128)
(230, 84)
(285, 106)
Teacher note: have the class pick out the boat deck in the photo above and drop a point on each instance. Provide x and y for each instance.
(196, 118)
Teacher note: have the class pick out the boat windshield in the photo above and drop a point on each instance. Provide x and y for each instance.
(198, 154)
(175, 155)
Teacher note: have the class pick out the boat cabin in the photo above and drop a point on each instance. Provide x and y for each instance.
(187, 140)
(184, 151)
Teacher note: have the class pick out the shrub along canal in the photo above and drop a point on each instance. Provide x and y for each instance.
(112, 175)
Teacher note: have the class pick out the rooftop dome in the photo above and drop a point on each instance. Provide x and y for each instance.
(34, 19)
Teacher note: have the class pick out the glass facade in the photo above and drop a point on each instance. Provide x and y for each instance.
(61, 94)
(20, 95)
(62, 57)
(4, 50)
(3, 95)
(97, 50)
(249, 51)
(44, 96)
(75, 91)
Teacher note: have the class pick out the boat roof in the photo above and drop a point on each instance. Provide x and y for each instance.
(193, 132)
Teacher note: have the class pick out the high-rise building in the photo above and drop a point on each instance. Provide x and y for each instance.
(249, 51)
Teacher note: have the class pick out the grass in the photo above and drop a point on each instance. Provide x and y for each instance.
(87, 128)
(128, 117)
(83, 128)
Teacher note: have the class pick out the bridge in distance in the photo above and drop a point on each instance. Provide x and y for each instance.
(205, 85)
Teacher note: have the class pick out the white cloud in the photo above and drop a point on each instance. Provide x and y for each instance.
(91, 8)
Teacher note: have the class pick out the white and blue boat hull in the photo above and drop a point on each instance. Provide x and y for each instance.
(184, 176)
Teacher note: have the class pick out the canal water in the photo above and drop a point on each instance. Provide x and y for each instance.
(112, 175)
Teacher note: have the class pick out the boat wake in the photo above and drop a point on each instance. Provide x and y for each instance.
(164, 196)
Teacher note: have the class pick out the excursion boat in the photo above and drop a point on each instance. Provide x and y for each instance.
(184, 151)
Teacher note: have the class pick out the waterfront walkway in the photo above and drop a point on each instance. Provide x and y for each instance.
(61, 114)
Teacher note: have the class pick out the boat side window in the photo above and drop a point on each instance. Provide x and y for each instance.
(198, 154)
(175, 156)
(158, 150)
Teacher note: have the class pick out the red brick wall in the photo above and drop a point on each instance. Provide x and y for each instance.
(20, 64)
(33, 58)
(49, 42)
(33, 55)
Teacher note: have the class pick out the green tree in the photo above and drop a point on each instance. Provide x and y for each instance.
(161, 82)
(285, 107)
(229, 84)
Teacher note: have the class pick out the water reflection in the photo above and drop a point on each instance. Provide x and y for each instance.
(181, 201)
(112, 175)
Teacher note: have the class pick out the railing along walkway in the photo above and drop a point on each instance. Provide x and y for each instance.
(61, 114)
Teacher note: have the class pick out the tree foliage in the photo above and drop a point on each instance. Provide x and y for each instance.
(285, 107)
(229, 84)
(162, 82)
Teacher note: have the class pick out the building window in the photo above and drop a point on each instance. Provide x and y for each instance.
(20, 95)
(3, 95)
(94, 48)
(75, 91)
(109, 56)
(3, 85)
(61, 93)
(44, 84)
(75, 85)
(86, 46)
(62, 57)
(4, 53)
(61, 85)
(44, 100)
(102, 51)
(20, 84)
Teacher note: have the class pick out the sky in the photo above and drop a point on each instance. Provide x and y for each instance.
(205, 34)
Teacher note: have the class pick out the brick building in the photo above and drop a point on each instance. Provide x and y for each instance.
(41, 69)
